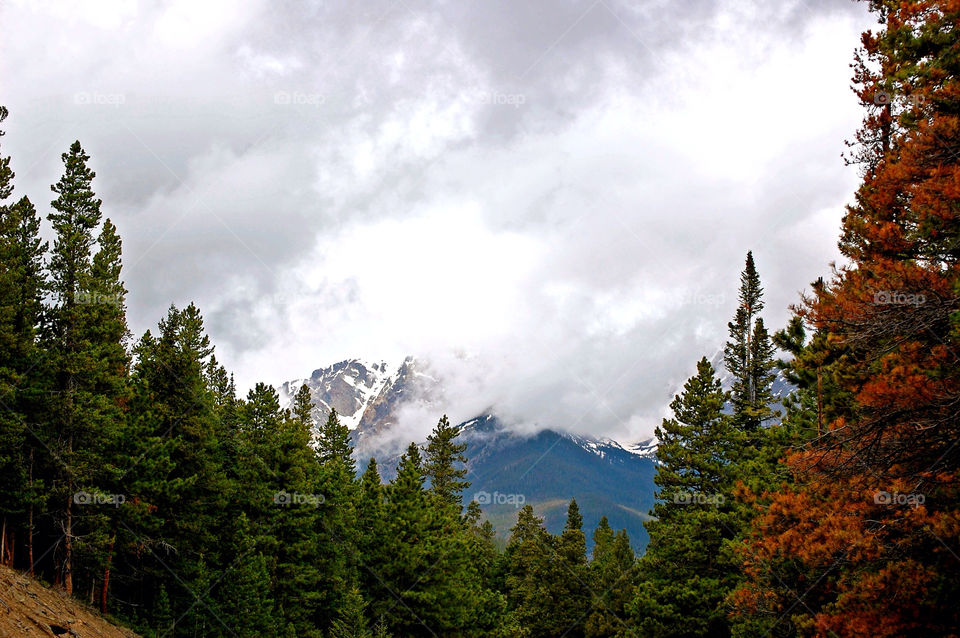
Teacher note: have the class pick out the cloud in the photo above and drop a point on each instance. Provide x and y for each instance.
(549, 201)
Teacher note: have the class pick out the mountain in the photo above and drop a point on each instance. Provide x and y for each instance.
(548, 468)
(507, 469)
(366, 395)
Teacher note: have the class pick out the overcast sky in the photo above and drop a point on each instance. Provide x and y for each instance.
(550, 200)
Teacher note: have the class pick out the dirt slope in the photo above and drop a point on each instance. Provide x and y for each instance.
(27, 609)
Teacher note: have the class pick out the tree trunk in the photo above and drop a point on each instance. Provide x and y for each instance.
(819, 403)
(106, 576)
(30, 518)
(68, 542)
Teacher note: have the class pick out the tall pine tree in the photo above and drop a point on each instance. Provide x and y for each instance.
(689, 566)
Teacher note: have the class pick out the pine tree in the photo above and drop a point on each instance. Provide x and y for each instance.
(527, 561)
(490, 609)
(108, 339)
(371, 532)
(612, 575)
(180, 471)
(885, 335)
(689, 566)
(748, 355)
(22, 285)
(568, 603)
(302, 408)
(352, 622)
(245, 607)
(334, 442)
(445, 463)
(83, 418)
(337, 560)
(163, 619)
(426, 574)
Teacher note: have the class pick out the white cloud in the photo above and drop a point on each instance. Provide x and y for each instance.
(557, 223)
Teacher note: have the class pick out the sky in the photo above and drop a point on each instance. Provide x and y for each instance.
(548, 201)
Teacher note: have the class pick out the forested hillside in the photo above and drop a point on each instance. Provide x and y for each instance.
(137, 480)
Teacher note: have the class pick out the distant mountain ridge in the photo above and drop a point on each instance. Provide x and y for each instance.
(548, 468)
(507, 469)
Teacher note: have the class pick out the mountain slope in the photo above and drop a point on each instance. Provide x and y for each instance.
(28, 608)
(508, 470)
(549, 468)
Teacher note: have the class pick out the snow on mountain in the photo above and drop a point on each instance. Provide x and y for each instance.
(349, 387)
(366, 395)
(647, 448)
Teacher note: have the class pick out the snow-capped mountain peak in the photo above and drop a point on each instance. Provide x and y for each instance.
(349, 386)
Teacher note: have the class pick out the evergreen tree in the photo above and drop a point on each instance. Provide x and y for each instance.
(334, 442)
(612, 574)
(748, 355)
(527, 567)
(490, 609)
(371, 530)
(22, 285)
(302, 408)
(567, 605)
(108, 336)
(689, 565)
(84, 418)
(337, 559)
(352, 622)
(180, 472)
(426, 572)
(6, 173)
(444, 465)
(245, 607)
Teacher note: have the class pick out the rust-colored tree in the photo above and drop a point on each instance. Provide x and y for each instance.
(866, 540)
